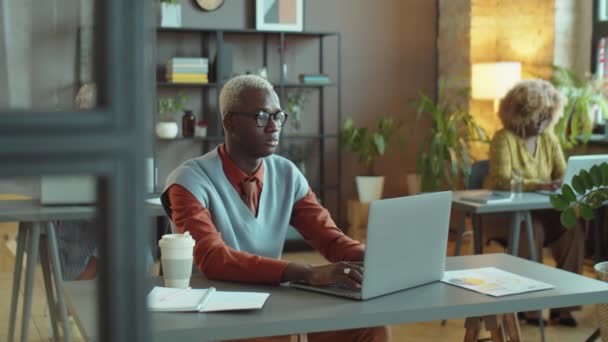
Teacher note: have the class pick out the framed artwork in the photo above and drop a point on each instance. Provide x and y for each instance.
(279, 15)
(602, 10)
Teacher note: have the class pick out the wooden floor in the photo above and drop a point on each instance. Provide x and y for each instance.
(40, 329)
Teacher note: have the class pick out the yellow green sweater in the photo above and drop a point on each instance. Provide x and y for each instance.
(509, 152)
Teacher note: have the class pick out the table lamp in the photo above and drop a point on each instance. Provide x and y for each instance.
(492, 81)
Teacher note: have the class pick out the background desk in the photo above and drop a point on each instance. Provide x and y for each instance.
(36, 219)
(520, 208)
(290, 311)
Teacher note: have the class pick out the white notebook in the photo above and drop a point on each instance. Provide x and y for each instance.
(203, 300)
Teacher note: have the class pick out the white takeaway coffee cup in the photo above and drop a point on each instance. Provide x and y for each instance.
(176, 259)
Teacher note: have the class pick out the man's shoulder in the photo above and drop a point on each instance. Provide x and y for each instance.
(197, 166)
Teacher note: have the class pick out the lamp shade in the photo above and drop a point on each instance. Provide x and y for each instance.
(492, 81)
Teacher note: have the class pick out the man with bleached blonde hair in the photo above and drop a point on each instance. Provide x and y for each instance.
(238, 201)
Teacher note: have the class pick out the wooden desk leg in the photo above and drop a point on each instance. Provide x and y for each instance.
(494, 326)
(472, 326)
(512, 327)
(21, 241)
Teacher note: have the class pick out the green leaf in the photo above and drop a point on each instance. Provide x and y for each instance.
(577, 185)
(596, 175)
(568, 218)
(559, 202)
(586, 211)
(380, 143)
(568, 193)
(586, 178)
(604, 171)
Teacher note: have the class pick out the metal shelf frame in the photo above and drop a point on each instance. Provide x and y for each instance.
(215, 126)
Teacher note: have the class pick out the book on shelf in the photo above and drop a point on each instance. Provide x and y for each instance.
(493, 281)
(488, 197)
(314, 79)
(167, 299)
(188, 79)
(186, 75)
(187, 70)
(189, 60)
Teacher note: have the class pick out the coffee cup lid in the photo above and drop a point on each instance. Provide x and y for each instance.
(176, 240)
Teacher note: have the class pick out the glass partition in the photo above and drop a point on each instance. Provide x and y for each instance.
(46, 55)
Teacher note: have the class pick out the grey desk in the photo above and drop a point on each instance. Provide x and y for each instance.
(36, 219)
(290, 311)
(520, 208)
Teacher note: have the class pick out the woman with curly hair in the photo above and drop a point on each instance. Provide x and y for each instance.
(526, 146)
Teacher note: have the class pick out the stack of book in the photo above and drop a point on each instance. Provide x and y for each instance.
(315, 79)
(187, 70)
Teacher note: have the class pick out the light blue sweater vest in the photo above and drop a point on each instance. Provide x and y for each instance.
(264, 235)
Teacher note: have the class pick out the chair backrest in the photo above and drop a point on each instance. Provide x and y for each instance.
(479, 171)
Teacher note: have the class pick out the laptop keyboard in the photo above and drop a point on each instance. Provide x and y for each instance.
(344, 287)
(335, 286)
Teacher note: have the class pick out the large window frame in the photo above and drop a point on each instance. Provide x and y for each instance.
(111, 142)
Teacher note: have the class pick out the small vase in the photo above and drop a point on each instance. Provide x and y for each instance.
(166, 129)
(200, 131)
(171, 15)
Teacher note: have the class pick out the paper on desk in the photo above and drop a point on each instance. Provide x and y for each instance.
(493, 281)
(225, 301)
(176, 300)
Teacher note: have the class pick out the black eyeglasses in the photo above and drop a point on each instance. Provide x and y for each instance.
(262, 118)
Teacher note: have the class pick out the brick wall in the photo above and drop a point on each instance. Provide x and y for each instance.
(494, 30)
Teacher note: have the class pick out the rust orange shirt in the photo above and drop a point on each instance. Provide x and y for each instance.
(218, 261)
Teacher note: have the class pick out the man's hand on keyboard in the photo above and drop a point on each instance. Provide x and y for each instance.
(349, 273)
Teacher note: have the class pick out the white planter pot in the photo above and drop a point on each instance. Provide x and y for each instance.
(171, 15)
(166, 129)
(369, 188)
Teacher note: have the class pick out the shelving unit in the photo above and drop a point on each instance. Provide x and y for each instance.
(212, 42)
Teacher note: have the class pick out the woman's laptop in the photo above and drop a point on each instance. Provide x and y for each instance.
(575, 165)
(406, 246)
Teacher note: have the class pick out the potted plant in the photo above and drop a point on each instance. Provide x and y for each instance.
(585, 96)
(588, 191)
(170, 13)
(167, 106)
(443, 158)
(295, 105)
(296, 151)
(369, 145)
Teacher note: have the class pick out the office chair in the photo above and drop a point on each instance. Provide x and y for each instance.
(479, 171)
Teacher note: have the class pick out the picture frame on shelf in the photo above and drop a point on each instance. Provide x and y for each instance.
(279, 15)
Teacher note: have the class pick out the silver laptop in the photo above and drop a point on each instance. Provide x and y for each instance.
(64, 190)
(406, 246)
(575, 165)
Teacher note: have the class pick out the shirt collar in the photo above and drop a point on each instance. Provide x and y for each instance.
(235, 175)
